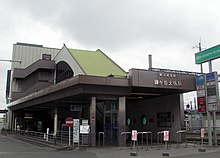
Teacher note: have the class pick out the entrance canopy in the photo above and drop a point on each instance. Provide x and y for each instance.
(139, 84)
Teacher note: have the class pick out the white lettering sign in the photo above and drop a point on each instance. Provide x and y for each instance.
(168, 83)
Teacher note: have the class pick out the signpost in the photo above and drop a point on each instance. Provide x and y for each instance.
(84, 130)
(75, 131)
(212, 99)
(134, 135)
(69, 123)
(202, 140)
(201, 95)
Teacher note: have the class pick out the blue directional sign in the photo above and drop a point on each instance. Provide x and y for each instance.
(210, 76)
(200, 79)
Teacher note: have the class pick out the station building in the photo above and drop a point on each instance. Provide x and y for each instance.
(47, 85)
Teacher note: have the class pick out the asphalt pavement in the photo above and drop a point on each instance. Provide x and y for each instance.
(14, 148)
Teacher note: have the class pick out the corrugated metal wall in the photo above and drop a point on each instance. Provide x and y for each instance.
(28, 54)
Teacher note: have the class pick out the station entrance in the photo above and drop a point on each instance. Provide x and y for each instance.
(151, 100)
(107, 121)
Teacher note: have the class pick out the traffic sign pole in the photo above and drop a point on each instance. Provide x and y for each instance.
(69, 123)
(69, 136)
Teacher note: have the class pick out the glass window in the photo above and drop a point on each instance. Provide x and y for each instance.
(128, 121)
(144, 120)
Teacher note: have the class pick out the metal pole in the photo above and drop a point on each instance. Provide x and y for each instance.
(69, 136)
(151, 141)
(214, 129)
(62, 135)
(147, 140)
(200, 49)
(142, 140)
(209, 128)
(209, 114)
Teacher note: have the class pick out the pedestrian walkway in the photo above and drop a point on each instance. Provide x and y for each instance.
(149, 153)
(155, 151)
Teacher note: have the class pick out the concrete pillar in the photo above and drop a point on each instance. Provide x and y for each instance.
(121, 120)
(9, 119)
(55, 119)
(12, 120)
(93, 121)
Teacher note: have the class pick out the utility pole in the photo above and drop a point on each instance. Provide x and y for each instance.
(208, 113)
(200, 49)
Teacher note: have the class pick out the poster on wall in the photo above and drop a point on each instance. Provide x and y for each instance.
(164, 119)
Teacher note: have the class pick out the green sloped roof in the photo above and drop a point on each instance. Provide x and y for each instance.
(96, 63)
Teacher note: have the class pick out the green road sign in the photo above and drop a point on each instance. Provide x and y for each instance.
(208, 54)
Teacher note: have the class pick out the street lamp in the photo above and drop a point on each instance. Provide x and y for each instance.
(11, 61)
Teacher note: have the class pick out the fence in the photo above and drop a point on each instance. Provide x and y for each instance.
(61, 138)
(147, 134)
(144, 138)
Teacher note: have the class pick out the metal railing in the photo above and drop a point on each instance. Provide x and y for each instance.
(36, 136)
(160, 136)
(147, 137)
(125, 134)
(103, 139)
(180, 132)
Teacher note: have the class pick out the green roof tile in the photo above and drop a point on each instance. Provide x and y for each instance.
(96, 63)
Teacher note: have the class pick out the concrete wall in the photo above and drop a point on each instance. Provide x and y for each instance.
(151, 108)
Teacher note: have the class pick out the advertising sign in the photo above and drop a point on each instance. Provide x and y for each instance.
(85, 122)
(166, 136)
(84, 129)
(202, 132)
(134, 135)
(212, 91)
(201, 104)
(201, 93)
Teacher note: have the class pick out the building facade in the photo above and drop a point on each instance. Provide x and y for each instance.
(83, 84)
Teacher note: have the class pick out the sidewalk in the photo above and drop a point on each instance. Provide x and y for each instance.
(154, 152)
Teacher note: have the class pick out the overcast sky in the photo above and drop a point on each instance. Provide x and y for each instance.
(125, 30)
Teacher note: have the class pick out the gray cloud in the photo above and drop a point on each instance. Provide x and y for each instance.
(118, 24)
(126, 30)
